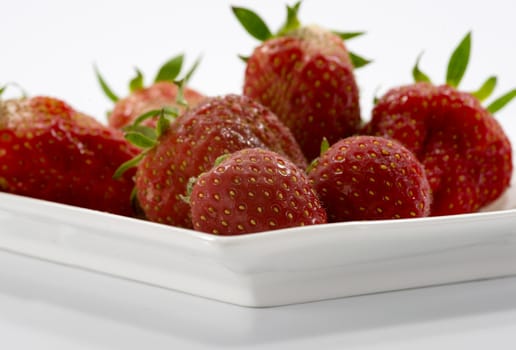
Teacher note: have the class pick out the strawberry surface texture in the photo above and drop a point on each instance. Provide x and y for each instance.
(254, 190)
(305, 75)
(370, 178)
(50, 151)
(466, 154)
(192, 143)
(465, 151)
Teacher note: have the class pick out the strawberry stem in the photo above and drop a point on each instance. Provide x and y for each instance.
(292, 21)
(258, 29)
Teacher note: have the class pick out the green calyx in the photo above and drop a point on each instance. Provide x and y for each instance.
(189, 189)
(455, 71)
(144, 136)
(193, 180)
(259, 30)
(325, 145)
(169, 71)
(501, 101)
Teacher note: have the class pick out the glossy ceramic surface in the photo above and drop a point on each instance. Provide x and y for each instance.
(272, 268)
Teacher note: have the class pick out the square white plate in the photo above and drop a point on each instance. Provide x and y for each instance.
(273, 268)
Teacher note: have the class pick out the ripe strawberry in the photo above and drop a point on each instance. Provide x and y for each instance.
(163, 92)
(306, 76)
(466, 154)
(253, 190)
(370, 178)
(191, 144)
(52, 152)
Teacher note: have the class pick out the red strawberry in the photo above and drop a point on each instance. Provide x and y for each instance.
(159, 95)
(192, 143)
(466, 154)
(370, 178)
(50, 151)
(162, 93)
(254, 190)
(304, 75)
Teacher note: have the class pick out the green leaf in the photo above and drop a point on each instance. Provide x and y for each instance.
(140, 140)
(221, 158)
(163, 123)
(134, 198)
(418, 75)
(348, 35)
(189, 188)
(292, 21)
(324, 146)
(192, 70)
(486, 89)
(499, 103)
(252, 23)
(358, 61)
(127, 165)
(459, 62)
(171, 113)
(376, 99)
(170, 69)
(243, 58)
(105, 87)
(2, 89)
(150, 114)
(137, 82)
(142, 129)
(180, 97)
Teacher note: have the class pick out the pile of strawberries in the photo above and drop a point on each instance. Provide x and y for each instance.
(292, 149)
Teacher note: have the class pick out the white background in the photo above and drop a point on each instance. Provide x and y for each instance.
(49, 47)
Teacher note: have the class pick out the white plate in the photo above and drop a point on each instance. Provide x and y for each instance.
(273, 268)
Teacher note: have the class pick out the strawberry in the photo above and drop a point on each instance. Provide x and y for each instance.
(466, 154)
(191, 144)
(163, 92)
(52, 152)
(370, 178)
(305, 75)
(253, 190)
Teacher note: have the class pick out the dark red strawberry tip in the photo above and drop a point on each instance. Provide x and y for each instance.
(370, 178)
(253, 190)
